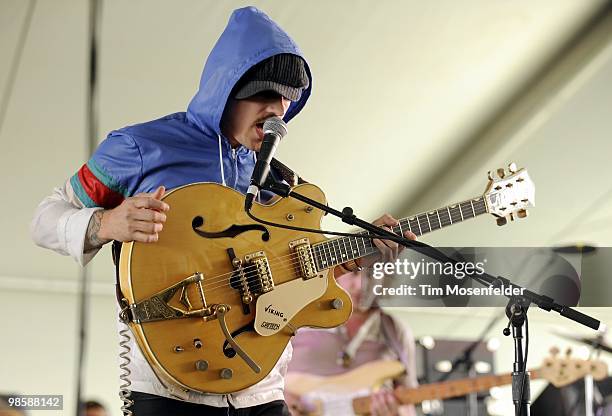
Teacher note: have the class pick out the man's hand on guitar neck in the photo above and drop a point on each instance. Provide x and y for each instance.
(138, 218)
(389, 250)
(384, 403)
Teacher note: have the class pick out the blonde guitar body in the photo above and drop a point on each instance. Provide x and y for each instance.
(176, 286)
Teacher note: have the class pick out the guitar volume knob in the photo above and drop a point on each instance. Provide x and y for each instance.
(226, 373)
(201, 365)
(337, 303)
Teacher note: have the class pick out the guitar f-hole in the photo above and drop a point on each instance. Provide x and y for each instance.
(231, 232)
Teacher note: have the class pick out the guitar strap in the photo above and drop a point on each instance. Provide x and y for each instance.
(345, 358)
(389, 331)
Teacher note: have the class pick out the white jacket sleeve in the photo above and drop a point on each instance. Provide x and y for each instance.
(60, 224)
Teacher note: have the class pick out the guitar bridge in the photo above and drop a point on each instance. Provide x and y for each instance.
(157, 307)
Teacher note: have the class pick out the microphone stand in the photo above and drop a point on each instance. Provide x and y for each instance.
(517, 307)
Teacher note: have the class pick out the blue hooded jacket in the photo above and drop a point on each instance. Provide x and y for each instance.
(183, 148)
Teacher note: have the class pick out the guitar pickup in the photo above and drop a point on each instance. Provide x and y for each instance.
(303, 249)
(258, 264)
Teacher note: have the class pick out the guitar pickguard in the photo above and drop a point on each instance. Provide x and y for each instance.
(276, 308)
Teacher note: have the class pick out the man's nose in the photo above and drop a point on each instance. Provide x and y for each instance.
(279, 106)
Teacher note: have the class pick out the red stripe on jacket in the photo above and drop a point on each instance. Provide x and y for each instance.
(101, 194)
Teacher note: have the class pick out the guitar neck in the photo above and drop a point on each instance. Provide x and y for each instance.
(336, 251)
(442, 390)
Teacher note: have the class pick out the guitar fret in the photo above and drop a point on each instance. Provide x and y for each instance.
(317, 248)
(444, 218)
(423, 225)
(414, 226)
(336, 249)
(345, 254)
(315, 253)
(482, 208)
(328, 255)
(351, 239)
(364, 246)
(455, 214)
(433, 219)
(464, 206)
(339, 250)
(347, 250)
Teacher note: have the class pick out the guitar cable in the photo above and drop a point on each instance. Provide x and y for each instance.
(124, 375)
(366, 234)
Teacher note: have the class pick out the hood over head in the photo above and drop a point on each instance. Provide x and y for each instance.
(249, 38)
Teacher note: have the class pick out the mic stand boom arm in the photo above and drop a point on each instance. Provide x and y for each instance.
(517, 306)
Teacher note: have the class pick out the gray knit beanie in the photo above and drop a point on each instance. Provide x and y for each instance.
(284, 74)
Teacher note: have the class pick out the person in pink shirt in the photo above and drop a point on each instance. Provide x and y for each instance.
(370, 334)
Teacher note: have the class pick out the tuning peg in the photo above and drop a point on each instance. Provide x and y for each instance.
(554, 351)
(522, 213)
(502, 221)
(512, 167)
(490, 175)
(568, 352)
(501, 173)
(511, 215)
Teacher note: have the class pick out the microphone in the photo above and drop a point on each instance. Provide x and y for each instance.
(274, 130)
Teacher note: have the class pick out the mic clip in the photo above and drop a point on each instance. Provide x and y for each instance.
(271, 185)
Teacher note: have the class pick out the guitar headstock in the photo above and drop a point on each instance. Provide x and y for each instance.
(509, 194)
(561, 371)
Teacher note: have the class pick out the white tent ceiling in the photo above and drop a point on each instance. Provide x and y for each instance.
(413, 102)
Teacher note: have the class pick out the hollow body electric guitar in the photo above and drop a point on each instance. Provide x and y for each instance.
(214, 302)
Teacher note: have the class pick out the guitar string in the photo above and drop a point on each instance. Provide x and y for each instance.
(289, 265)
(290, 260)
(286, 261)
(344, 239)
(342, 243)
(251, 276)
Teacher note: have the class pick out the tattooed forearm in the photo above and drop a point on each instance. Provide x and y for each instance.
(92, 240)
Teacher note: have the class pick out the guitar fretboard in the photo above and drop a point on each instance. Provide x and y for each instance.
(443, 390)
(336, 251)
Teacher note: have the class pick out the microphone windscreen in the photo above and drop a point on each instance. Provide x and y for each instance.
(275, 125)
